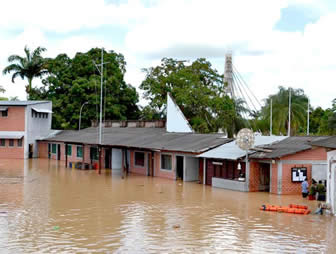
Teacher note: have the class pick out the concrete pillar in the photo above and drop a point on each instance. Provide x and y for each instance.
(66, 155)
(204, 170)
(247, 176)
(279, 181)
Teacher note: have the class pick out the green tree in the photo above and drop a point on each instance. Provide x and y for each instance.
(332, 118)
(198, 90)
(75, 81)
(31, 66)
(280, 117)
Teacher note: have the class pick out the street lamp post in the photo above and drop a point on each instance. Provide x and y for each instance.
(80, 114)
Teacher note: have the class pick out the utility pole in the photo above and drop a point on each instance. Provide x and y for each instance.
(101, 96)
(289, 112)
(101, 71)
(271, 118)
(308, 119)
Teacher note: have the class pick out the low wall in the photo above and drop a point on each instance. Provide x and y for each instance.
(229, 184)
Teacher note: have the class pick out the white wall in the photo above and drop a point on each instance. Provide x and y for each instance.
(331, 181)
(319, 172)
(191, 168)
(176, 121)
(116, 159)
(36, 128)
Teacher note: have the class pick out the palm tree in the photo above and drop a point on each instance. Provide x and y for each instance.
(280, 110)
(32, 65)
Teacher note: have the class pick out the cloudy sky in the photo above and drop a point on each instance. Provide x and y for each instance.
(277, 42)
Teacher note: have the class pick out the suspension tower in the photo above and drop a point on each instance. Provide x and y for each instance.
(228, 76)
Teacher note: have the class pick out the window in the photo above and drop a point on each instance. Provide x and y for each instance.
(2, 142)
(93, 153)
(69, 150)
(53, 148)
(139, 159)
(79, 151)
(166, 162)
(4, 113)
(19, 142)
(11, 142)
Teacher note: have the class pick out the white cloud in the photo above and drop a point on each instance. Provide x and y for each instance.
(184, 29)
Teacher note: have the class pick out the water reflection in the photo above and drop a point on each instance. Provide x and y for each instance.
(44, 207)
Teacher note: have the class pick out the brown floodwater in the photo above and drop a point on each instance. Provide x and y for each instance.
(47, 208)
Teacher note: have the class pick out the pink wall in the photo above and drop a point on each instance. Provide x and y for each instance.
(138, 169)
(164, 173)
(15, 121)
(274, 179)
(14, 152)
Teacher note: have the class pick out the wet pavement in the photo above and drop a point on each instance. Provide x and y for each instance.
(47, 208)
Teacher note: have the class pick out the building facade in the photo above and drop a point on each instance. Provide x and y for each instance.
(21, 124)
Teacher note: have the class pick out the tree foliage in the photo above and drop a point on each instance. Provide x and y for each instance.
(72, 82)
(199, 92)
(280, 117)
(31, 66)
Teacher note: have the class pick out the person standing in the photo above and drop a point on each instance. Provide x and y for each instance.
(321, 190)
(304, 186)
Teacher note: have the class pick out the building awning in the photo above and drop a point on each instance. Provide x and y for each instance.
(3, 108)
(38, 110)
(11, 134)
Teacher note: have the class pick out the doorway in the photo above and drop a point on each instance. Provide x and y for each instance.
(58, 152)
(49, 150)
(108, 153)
(179, 167)
(264, 177)
(30, 154)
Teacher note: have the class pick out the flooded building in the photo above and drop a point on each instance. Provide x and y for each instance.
(290, 161)
(146, 151)
(21, 124)
(225, 166)
(329, 144)
(276, 165)
(148, 148)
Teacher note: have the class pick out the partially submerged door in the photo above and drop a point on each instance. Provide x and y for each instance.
(58, 152)
(264, 181)
(108, 153)
(30, 154)
(179, 167)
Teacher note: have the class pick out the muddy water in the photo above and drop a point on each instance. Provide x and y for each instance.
(46, 208)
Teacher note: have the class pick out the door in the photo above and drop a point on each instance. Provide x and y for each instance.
(108, 153)
(179, 167)
(49, 150)
(264, 181)
(209, 174)
(30, 155)
(59, 152)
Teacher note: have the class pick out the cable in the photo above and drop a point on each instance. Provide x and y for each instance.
(247, 94)
(246, 85)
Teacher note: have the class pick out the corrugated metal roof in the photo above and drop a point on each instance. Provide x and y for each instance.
(11, 134)
(146, 138)
(231, 151)
(21, 103)
(290, 145)
(327, 142)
